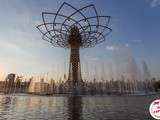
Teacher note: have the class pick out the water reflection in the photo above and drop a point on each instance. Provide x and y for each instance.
(5, 101)
(74, 108)
(19, 107)
(5, 104)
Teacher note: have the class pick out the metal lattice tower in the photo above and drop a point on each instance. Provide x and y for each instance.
(74, 28)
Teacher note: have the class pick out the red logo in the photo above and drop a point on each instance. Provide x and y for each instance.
(154, 109)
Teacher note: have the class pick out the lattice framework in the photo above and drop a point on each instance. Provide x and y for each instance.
(92, 30)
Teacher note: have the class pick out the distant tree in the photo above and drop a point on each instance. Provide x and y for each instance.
(156, 85)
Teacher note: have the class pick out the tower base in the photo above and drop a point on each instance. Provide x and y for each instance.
(74, 87)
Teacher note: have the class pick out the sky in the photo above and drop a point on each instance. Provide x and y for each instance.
(135, 25)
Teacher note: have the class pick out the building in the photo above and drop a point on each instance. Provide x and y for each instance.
(41, 88)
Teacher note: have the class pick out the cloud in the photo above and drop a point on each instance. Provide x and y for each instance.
(127, 45)
(155, 3)
(118, 47)
(90, 57)
(137, 41)
(93, 58)
(111, 47)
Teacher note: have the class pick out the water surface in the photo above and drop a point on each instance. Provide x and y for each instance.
(29, 107)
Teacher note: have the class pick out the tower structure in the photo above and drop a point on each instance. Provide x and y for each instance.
(74, 29)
